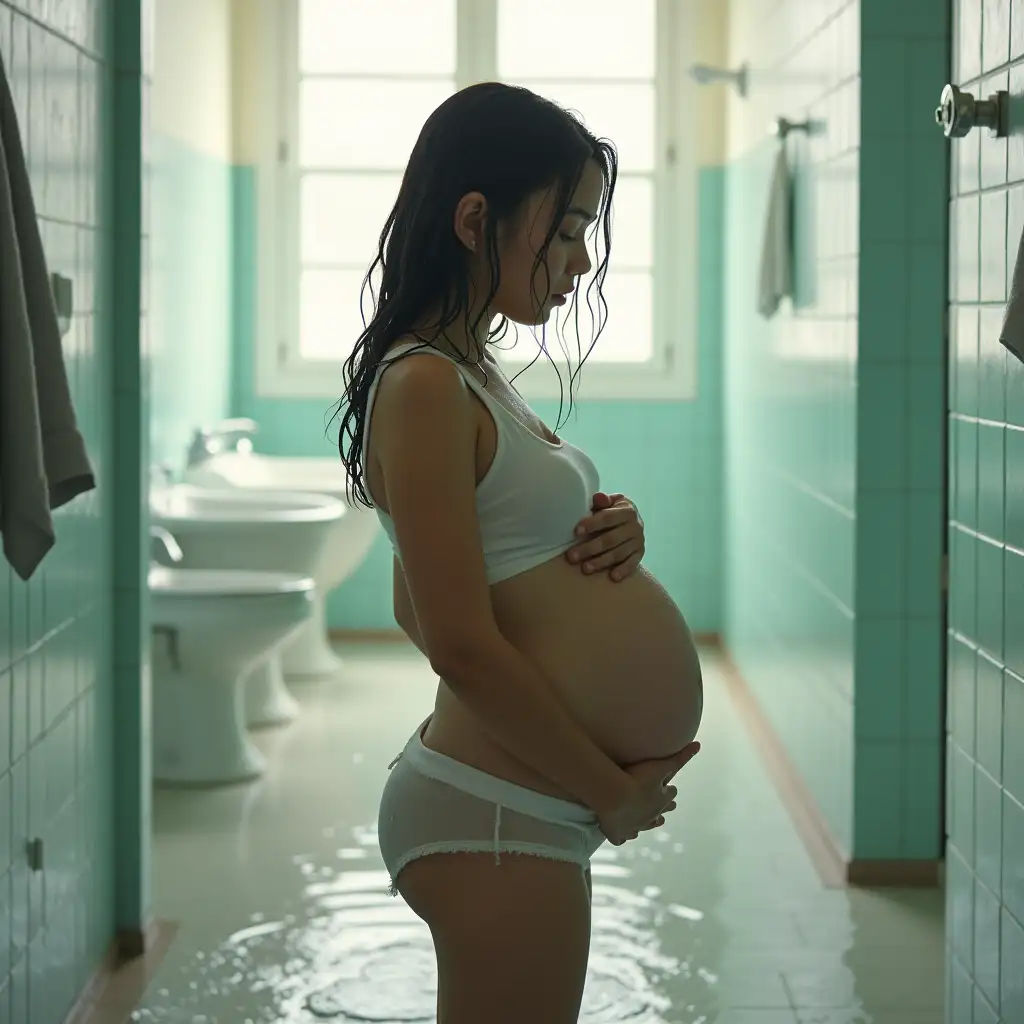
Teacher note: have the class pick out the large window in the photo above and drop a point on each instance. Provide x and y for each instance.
(357, 79)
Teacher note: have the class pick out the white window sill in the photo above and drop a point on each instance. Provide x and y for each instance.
(596, 381)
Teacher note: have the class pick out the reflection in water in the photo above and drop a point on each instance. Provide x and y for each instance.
(350, 953)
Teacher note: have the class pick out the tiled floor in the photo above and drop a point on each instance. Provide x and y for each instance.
(717, 917)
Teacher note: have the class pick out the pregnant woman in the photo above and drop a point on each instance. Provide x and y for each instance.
(569, 687)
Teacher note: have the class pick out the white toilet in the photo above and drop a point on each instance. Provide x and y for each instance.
(210, 629)
(266, 531)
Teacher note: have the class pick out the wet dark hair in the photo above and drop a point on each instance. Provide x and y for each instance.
(508, 144)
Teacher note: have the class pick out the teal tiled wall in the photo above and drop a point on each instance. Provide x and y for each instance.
(190, 294)
(665, 455)
(985, 799)
(57, 687)
(834, 413)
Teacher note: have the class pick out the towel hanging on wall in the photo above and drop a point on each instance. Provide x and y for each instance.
(43, 461)
(776, 278)
(1012, 332)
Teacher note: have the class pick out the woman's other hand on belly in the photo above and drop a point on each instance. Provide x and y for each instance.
(612, 538)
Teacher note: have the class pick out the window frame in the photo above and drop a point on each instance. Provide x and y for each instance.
(281, 372)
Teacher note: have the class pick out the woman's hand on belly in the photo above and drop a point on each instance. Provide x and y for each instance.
(612, 537)
(658, 821)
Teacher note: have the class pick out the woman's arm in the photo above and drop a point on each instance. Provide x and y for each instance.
(406, 619)
(404, 615)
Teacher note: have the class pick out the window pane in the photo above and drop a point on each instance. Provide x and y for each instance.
(329, 318)
(576, 39)
(622, 113)
(633, 223)
(364, 122)
(342, 215)
(628, 334)
(361, 36)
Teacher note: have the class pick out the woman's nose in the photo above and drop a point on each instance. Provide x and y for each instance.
(580, 265)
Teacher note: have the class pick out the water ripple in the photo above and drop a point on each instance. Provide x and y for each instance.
(349, 953)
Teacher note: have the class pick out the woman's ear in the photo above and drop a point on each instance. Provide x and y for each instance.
(470, 219)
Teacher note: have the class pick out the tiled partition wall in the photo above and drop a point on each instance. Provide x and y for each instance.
(834, 411)
(70, 644)
(985, 748)
(56, 689)
(791, 393)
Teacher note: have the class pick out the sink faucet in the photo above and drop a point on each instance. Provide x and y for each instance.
(220, 437)
(161, 474)
(165, 539)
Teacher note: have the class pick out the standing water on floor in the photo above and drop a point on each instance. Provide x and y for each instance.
(348, 952)
(718, 917)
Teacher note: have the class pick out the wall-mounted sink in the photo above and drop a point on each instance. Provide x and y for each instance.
(285, 472)
(188, 503)
(348, 542)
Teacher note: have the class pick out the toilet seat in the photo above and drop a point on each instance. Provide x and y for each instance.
(192, 583)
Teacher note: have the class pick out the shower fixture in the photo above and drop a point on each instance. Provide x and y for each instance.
(704, 74)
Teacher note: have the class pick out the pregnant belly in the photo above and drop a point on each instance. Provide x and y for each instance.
(619, 655)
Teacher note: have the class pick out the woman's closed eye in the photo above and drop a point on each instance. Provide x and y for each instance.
(574, 230)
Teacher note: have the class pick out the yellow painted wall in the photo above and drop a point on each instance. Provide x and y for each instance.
(192, 74)
(712, 45)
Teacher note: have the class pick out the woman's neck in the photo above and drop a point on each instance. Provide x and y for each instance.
(456, 339)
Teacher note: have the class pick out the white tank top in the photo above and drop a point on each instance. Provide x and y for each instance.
(533, 494)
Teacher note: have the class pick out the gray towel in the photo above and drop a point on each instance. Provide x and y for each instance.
(43, 461)
(776, 278)
(1012, 332)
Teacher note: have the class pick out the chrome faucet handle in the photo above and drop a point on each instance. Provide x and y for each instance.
(219, 437)
(198, 448)
(165, 539)
(958, 112)
(231, 435)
